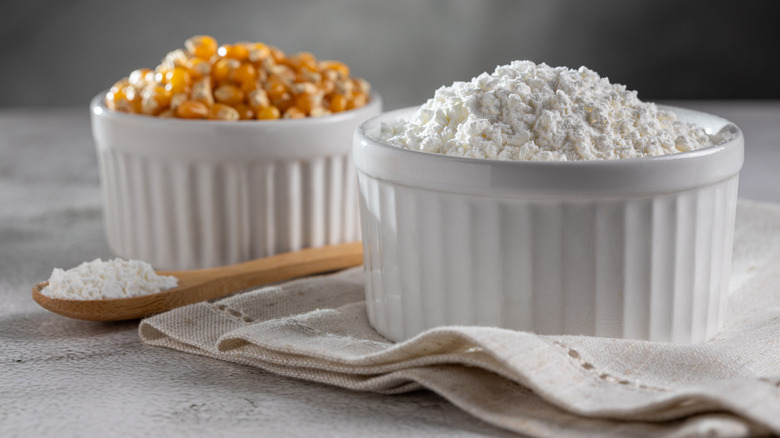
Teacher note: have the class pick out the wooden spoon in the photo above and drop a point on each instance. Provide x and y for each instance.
(207, 284)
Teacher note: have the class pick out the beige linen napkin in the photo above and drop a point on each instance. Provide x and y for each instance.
(316, 329)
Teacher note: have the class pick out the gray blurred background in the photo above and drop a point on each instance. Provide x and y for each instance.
(63, 52)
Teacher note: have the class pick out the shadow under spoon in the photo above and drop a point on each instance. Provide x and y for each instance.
(207, 284)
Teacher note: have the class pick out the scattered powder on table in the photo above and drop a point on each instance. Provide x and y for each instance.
(525, 111)
(100, 279)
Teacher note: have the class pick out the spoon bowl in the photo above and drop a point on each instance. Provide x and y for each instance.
(207, 284)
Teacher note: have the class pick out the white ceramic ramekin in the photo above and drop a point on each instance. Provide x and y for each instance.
(635, 248)
(185, 194)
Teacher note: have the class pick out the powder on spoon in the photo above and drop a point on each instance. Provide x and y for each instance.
(100, 279)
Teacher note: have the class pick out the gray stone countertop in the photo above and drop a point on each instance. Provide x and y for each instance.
(62, 377)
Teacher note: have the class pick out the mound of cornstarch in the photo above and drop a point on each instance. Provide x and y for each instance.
(525, 111)
(100, 279)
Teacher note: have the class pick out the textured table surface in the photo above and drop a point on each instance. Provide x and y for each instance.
(62, 377)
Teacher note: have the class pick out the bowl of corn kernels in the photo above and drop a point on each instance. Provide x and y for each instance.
(225, 153)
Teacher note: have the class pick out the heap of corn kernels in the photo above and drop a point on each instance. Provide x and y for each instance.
(241, 81)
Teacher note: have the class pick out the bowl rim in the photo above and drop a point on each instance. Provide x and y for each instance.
(236, 142)
(98, 108)
(484, 176)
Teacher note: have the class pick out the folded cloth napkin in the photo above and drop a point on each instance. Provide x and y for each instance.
(316, 329)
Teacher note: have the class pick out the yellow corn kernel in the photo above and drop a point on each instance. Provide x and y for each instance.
(330, 75)
(116, 100)
(258, 52)
(284, 102)
(338, 103)
(282, 72)
(155, 98)
(319, 111)
(311, 77)
(133, 98)
(245, 112)
(223, 68)
(308, 79)
(246, 72)
(268, 113)
(115, 96)
(267, 64)
(250, 86)
(177, 99)
(228, 94)
(305, 88)
(220, 111)
(328, 86)
(294, 113)
(258, 99)
(175, 58)
(235, 51)
(159, 74)
(202, 46)
(358, 99)
(138, 78)
(277, 54)
(167, 113)
(149, 106)
(303, 60)
(262, 74)
(178, 80)
(201, 91)
(362, 85)
(192, 109)
(345, 87)
(275, 87)
(111, 101)
(307, 102)
(199, 67)
(337, 66)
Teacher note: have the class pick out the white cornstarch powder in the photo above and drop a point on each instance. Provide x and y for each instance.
(100, 279)
(525, 111)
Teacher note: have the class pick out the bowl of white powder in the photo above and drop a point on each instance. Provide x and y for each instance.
(548, 200)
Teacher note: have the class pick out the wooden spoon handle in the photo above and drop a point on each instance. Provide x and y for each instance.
(211, 283)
